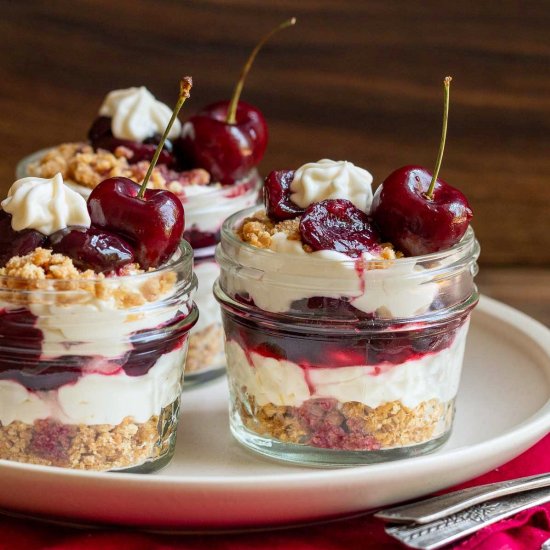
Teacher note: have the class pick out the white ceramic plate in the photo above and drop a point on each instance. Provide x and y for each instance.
(503, 409)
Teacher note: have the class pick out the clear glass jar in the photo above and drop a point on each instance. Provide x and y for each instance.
(206, 208)
(91, 370)
(335, 362)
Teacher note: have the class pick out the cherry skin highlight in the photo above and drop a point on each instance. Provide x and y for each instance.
(337, 224)
(92, 248)
(153, 225)
(414, 223)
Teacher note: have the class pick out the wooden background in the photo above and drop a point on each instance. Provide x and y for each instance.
(356, 80)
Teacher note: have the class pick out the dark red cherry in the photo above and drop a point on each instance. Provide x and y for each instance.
(92, 248)
(278, 205)
(227, 151)
(153, 225)
(414, 223)
(17, 243)
(101, 137)
(152, 220)
(228, 138)
(418, 212)
(337, 224)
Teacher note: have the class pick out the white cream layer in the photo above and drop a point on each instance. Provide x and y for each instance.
(292, 274)
(283, 383)
(97, 398)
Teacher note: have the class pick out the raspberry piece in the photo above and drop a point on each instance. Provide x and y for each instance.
(52, 440)
(337, 224)
(277, 196)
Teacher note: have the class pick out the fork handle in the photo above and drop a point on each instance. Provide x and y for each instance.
(432, 509)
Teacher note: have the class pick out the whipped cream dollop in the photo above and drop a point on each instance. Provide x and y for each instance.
(331, 179)
(136, 114)
(46, 205)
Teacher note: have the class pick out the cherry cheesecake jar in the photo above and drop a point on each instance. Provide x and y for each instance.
(93, 331)
(333, 357)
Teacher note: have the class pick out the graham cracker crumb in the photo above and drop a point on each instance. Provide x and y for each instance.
(90, 447)
(79, 163)
(43, 270)
(328, 423)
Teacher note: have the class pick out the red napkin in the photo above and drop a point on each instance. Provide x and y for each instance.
(526, 531)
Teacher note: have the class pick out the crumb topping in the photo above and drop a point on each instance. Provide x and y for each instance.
(258, 230)
(44, 270)
(78, 162)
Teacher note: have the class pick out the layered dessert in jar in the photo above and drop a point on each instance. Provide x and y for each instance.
(346, 315)
(209, 161)
(95, 311)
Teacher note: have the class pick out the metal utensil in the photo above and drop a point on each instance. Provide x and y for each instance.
(432, 509)
(456, 526)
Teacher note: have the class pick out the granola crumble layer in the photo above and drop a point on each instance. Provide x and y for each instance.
(41, 269)
(328, 423)
(205, 349)
(79, 163)
(91, 447)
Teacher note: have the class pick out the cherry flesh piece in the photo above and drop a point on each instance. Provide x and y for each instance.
(337, 224)
(278, 205)
(101, 137)
(153, 225)
(92, 248)
(16, 243)
(415, 224)
(227, 151)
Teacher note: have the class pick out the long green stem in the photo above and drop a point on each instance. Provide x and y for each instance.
(446, 94)
(232, 109)
(185, 87)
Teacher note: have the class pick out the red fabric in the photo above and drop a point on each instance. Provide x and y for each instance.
(526, 531)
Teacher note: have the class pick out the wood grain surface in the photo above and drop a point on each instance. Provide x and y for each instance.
(359, 80)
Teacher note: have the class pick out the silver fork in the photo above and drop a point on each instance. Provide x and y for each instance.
(456, 517)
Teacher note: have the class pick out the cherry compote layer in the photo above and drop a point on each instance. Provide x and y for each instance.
(22, 361)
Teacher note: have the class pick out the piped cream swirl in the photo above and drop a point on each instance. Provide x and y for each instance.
(46, 205)
(136, 114)
(330, 179)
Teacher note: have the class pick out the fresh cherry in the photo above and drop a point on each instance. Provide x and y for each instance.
(101, 137)
(151, 219)
(92, 248)
(418, 212)
(337, 224)
(277, 201)
(227, 138)
(16, 243)
(153, 224)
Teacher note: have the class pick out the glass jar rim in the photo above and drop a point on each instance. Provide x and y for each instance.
(228, 234)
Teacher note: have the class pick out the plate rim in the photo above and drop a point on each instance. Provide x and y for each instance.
(537, 423)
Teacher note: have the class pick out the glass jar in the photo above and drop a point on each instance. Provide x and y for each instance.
(337, 362)
(206, 208)
(91, 369)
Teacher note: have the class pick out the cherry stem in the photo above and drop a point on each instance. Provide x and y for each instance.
(446, 93)
(185, 87)
(232, 109)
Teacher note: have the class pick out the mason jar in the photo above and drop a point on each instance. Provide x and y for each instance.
(337, 362)
(91, 368)
(206, 208)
